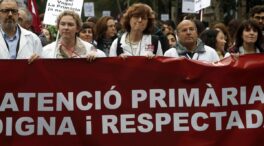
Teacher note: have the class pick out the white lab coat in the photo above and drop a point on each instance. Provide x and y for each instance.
(50, 50)
(142, 49)
(28, 45)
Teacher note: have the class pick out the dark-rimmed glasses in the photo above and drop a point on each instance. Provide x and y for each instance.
(7, 11)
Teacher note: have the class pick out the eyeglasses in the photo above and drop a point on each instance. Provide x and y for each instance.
(259, 18)
(7, 11)
(144, 17)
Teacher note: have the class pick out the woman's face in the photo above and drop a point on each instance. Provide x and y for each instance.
(68, 27)
(171, 40)
(86, 34)
(249, 35)
(138, 23)
(220, 41)
(46, 33)
(111, 29)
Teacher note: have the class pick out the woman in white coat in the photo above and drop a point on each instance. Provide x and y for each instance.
(69, 45)
(137, 40)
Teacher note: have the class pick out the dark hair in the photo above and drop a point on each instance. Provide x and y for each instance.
(199, 25)
(256, 9)
(101, 27)
(139, 9)
(170, 33)
(170, 23)
(209, 37)
(248, 24)
(232, 29)
(86, 25)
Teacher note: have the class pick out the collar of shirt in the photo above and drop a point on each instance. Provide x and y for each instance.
(183, 50)
(12, 43)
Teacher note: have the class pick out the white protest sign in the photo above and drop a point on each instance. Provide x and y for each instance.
(188, 6)
(55, 7)
(88, 9)
(165, 17)
(192, 6)
(206, 3)
(106, 13)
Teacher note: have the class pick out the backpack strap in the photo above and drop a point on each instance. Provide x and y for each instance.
(119, 49)
(155, 42)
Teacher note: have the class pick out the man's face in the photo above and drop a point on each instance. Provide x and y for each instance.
(187, 33)
(259, 17)
(8, 14)
(22, 19)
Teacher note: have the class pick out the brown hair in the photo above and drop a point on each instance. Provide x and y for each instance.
(101, 27)
(223, 28)
(139, 9)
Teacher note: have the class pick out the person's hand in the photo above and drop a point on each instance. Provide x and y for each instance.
(123, 56)
(150, 55)
(32, 58)
(91, 56)
(235, 56)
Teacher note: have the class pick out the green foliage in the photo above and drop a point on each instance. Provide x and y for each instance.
(53, 30)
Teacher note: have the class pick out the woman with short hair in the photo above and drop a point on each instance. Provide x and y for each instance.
(69, 45)
(138, 22)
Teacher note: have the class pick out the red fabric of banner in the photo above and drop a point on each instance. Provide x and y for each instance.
(153, 116)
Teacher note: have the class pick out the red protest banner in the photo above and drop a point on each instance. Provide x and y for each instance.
(138, 101)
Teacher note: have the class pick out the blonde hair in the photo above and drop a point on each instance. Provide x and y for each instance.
(75, 16)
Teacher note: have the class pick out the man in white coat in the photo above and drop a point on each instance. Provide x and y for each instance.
(16, 42)
(190, 46)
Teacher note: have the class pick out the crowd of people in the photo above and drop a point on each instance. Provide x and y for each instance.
(137, 33)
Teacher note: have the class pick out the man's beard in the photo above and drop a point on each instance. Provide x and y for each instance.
(9, 24)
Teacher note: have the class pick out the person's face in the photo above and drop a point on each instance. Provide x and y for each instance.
(249, 35)
(68, 27)
(46, 33)
(22, 17)
(187, 33)
(86, 34)
(138, 23)
(167, 29)
(8, 14)
(259, 17)
(220, 41)
(111, 29)
(171, 40)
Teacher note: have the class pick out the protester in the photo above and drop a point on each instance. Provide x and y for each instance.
(215, 39)
(46, 36)
(168, 27)
(222, 27)
(190, 46)
(86, 33)
(257, 14)
(248, 38)
(15, 41)
(69, 45)
(138, 22)
(105, 30)
(171, 38)
(25, 18)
